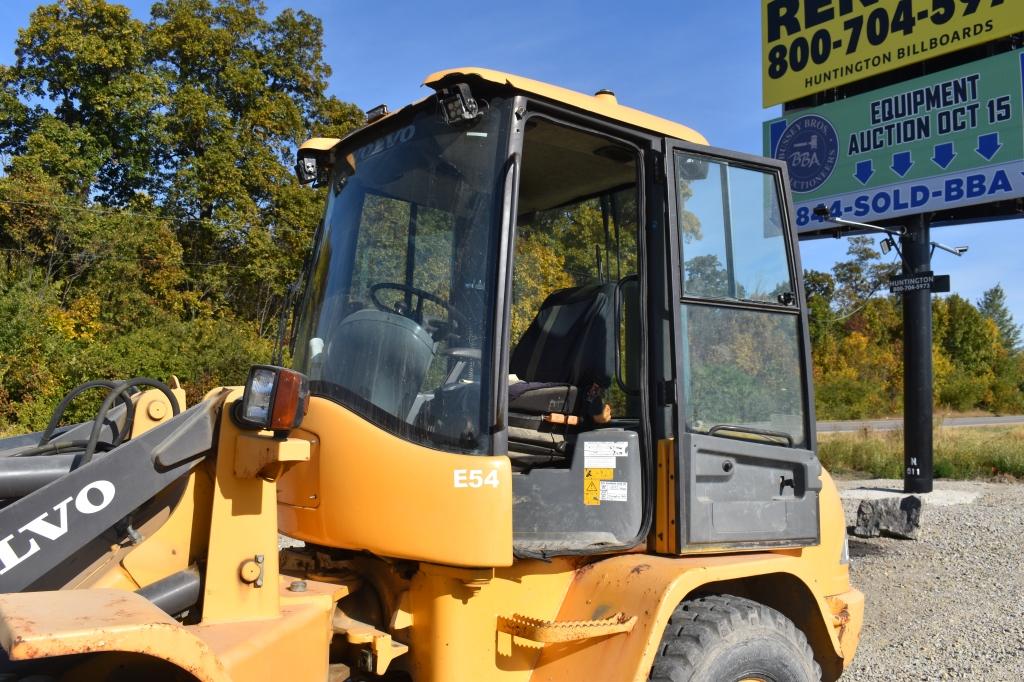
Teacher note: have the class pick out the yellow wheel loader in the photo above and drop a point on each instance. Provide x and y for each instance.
(549, 417)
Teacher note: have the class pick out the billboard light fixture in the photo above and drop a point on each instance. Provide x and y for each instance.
(821, 211)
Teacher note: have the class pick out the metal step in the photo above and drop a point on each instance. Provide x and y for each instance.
(551, 631)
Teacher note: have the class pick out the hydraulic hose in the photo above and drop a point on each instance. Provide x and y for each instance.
(58, 414)
(114, 394)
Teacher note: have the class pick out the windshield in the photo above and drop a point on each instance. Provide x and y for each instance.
(396, 322)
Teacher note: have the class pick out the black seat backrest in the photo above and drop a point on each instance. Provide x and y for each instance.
(571, 340)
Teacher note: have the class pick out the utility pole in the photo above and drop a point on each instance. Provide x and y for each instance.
(916, 285)
(915, 244)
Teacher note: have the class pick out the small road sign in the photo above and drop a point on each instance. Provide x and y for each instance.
(941, 284)
(902, 284)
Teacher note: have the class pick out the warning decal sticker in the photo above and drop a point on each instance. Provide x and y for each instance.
(613, 491)
(602, 455)
(617, 448)
(593, 480)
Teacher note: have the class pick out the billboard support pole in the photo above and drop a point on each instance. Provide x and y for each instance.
(917, 361)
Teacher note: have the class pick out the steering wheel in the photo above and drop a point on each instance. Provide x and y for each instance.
(416, 313)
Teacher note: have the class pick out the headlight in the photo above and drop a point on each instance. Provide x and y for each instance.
(274, 399)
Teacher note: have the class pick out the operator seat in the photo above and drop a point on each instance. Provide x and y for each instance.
(566, 358)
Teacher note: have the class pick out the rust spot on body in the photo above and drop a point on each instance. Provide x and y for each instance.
(583, 570)
(640, 568)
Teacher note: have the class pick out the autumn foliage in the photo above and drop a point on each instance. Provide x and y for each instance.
(150, 223)
(857, 344)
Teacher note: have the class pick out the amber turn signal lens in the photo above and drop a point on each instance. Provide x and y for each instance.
(290, 400)
(275, 399)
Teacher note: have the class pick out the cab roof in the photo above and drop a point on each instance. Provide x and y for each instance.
(601, 104)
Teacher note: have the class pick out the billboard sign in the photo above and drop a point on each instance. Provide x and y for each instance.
(813, 45)
(949, 139)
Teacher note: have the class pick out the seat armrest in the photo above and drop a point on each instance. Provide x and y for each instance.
(542, 398)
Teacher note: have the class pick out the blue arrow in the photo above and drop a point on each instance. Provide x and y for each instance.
(944, 154)
(865, 169)
(901, 163)
(988, 145)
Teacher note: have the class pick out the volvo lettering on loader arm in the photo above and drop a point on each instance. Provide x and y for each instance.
(549, 416)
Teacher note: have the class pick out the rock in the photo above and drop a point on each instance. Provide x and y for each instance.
(894, 517)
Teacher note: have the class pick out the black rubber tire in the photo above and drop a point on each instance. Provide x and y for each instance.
(721, 638)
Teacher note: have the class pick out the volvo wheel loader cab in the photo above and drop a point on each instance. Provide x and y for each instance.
(550, 419)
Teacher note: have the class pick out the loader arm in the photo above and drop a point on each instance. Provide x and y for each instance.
(213, 604)
(45, 528)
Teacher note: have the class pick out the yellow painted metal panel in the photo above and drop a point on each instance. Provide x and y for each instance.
(601, 105)
(320, 144)
(37, 625)
(812, 45)
(299, 486)
(243, 531)
(180, 541)
(380, 493)
(649, 587)
(455, 616)
(666, 505)
(292, 646)
(849, 622)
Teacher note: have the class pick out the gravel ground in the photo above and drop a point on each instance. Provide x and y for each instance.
(949, 606)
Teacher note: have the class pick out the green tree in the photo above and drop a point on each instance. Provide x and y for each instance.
(861, 276)
(820, 288)
(856, 336)
(149, 219)
(83, 62)
(705, 275)
(993, 306)
(857, 344)
(200, 109)
(971, 340)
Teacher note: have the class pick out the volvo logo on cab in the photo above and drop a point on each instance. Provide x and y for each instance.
(92, 498)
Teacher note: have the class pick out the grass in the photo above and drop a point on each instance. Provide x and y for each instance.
(985, 452)
(961, 453)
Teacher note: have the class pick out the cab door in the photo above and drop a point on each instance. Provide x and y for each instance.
(749, 476)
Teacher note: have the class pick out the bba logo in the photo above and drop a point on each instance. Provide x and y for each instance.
(810, 147)
(41, 526)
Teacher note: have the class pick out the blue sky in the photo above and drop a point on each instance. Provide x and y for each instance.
(694, 62)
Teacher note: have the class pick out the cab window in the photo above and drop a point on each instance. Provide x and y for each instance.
(397, 320)
(742, 357)
(575, 283)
